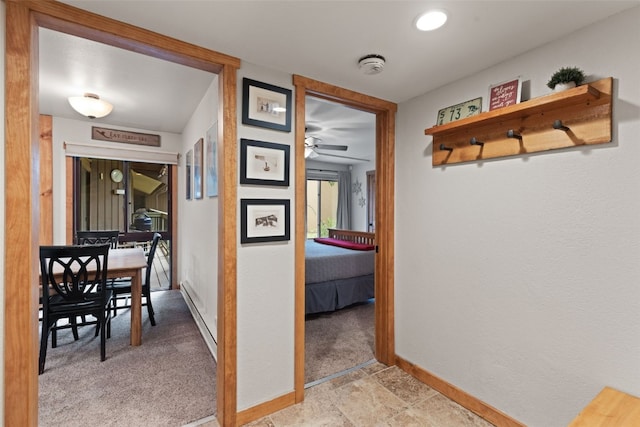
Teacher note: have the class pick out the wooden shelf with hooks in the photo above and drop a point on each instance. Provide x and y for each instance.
(582, 116)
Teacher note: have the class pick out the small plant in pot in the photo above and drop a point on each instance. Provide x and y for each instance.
(566, 78)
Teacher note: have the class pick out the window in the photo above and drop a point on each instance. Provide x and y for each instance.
(322, 206)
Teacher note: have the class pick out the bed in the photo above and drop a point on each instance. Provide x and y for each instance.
(339, 270)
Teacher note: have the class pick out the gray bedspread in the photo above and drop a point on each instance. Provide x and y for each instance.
(325, 262)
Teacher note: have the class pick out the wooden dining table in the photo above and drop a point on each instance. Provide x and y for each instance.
(129, 262)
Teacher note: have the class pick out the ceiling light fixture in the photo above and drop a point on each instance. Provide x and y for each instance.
(431, 20)
(90, 105)
(371, 64)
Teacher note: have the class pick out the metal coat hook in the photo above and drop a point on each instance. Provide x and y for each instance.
(512, 134)
(558, 125)
(444, 147)
(474, 141)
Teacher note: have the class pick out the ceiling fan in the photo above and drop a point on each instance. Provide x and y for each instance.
(312, 145)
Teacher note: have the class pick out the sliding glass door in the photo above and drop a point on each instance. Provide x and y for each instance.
(131, 197)
(322, 207)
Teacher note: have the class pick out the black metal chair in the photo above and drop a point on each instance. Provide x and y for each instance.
(74, 282)
(96, 237)
(122, 288)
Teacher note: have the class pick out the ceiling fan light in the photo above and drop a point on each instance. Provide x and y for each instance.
(90, 105)
(310, 153)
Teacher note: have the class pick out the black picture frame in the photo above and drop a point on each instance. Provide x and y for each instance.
(264, 220)
(262, 104)
(264, 163)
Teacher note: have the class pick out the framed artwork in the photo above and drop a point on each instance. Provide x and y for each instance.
(505, 94)
(264, 163)
(197, 169)
(266, 105)
(187, 168)
(211, 155)
(264, 220)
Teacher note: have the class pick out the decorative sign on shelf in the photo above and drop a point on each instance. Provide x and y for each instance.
(459, 111)
(505, 94)
(115, 135)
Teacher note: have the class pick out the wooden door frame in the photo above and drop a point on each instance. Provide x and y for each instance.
(385, 177)
(22, 210)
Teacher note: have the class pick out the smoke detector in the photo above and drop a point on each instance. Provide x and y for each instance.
(371, 64)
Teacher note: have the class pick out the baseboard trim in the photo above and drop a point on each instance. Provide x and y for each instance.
(488, 412)
(202, 327)
(266, 408)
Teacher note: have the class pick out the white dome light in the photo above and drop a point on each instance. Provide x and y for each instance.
(431, 20)
(90, 105)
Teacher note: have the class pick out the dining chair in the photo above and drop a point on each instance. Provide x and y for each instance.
(122, 288)
(94, 237)
(74, 282)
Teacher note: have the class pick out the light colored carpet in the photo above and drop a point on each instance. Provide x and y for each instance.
(338, 340)
(170, 380)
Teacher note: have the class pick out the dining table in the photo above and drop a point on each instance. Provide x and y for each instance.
(125, 263)
(129, 262)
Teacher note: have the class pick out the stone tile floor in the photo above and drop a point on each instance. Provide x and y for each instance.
(375, 395)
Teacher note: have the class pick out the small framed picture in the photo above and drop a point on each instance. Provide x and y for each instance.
(197, 169)
(212, 160)
(505, 94)
(266, 105)
(264, 220)
(264, 163)
(187, 168)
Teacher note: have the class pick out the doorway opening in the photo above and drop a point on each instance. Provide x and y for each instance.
(384, 112)
(131, 197)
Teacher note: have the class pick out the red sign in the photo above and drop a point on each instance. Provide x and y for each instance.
(504, 94)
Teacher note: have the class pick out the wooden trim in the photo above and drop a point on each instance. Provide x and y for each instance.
(482, 409)
(300, 236)
(68, 19)
(174, 227)
(21, 197)
(21, 232)
(385, 170)
(266, 408)
(46, 180)
(227, 248)
(69, 200)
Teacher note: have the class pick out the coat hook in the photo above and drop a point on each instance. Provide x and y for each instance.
(474, 141)
(512, 134)
(558, 125)
(444, 147)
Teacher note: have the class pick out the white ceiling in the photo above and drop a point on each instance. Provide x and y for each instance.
(322, 40)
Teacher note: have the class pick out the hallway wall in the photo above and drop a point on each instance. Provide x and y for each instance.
(517, 278)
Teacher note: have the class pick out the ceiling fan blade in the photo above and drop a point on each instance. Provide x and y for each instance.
(331, 147)
(344, 157)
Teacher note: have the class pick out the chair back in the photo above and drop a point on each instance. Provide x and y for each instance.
(97, 237)
(150, 256)
(73, 274)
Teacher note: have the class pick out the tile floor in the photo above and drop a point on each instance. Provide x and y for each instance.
(375, 395)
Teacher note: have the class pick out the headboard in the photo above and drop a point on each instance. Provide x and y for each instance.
(353, 236)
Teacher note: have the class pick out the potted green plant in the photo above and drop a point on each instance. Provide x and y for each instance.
(566, 78)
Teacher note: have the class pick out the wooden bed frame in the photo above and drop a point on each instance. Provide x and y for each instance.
(353, 236)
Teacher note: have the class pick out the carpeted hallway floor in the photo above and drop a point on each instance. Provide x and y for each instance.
(170, 380)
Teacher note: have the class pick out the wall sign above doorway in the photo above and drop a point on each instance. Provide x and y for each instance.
(115, 135)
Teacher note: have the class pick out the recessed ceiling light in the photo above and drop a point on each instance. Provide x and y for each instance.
(431, 20)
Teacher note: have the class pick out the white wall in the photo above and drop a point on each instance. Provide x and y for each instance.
(518, 279)
(198, 224)
(68, 130)
(2, 219)
(359, 213)
(265, 280)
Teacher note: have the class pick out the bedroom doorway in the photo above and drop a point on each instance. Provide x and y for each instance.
(384, 112)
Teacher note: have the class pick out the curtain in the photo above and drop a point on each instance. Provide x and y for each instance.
(343, 217)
